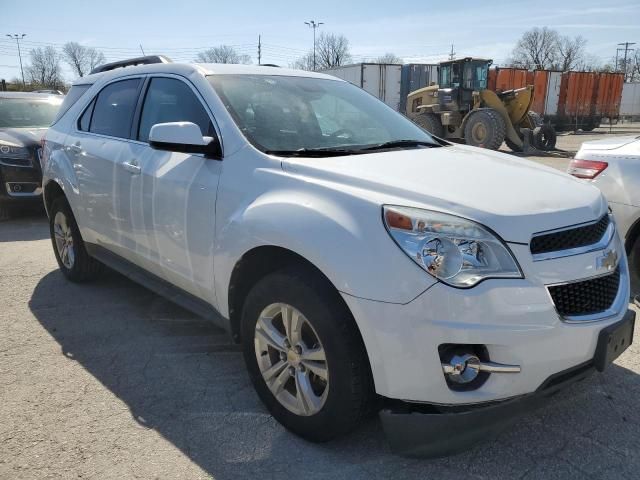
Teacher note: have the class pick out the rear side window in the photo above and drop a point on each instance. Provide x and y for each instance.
(85, 119)
(171, 100)
(70, 99)
(114, 107)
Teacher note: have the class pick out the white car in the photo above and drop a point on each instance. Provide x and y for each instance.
(613, 165)
(363, 264)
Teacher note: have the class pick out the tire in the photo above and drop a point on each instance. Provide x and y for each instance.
(544, 138)
(431, 123)
(5, 213)
(72, 257)
(535, 119)
(484, 128)
(340, 403)
(634, 258)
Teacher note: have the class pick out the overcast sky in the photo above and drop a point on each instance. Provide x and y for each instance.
(418, 31)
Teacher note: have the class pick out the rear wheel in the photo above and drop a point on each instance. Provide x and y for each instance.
(304, 354)
(68, 246)
(484, 128)
(544, 138)
(431, 123)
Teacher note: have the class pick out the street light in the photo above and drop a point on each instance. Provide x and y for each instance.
(17, 38)
(314, 25)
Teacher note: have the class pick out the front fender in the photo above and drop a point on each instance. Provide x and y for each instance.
(343, 236)
(58, 168)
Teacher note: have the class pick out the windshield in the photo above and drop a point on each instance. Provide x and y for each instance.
(284, 113)
(28, 112)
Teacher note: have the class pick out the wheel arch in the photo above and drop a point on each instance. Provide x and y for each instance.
(254, 265)
(52, 190)
(632, 235)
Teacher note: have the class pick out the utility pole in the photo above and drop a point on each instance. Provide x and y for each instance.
(452, 55)
(17, 38)
(626, 51)
(142, 50)
(314, 25)
(259, 50)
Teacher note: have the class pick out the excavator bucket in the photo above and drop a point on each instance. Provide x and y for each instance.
(513, 106)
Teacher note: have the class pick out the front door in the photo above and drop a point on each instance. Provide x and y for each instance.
(174, 212)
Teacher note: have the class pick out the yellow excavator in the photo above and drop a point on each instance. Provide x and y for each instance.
(461, 107)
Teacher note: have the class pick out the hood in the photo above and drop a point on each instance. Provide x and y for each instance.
(512, 196)
(22, 137)
(608, 144)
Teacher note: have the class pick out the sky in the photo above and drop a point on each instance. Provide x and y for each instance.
(417, 31)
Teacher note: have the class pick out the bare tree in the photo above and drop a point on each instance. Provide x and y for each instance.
(390, 58)
(44, 70)
(222, 54)
(537, 48)
(332, 50)
(80, 58)
(303, 63)
(570, 53)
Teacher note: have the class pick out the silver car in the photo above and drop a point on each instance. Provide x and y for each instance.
(613, 165)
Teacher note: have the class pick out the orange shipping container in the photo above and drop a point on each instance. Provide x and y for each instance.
(609, 94)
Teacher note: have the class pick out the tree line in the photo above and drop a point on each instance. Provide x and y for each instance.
(537, 48)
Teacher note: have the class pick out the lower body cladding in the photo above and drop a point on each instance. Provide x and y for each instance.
(457, 365)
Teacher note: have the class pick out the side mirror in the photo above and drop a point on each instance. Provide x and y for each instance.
(184, 137)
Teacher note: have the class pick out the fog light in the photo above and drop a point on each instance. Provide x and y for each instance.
(467, 367)
(462, 368)
(17, 187)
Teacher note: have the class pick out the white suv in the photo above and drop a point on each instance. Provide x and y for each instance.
(363, 264)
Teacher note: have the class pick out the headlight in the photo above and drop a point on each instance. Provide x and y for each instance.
(455, 250)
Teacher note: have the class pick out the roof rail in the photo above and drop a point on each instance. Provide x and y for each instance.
(132, 61)
(268, 65)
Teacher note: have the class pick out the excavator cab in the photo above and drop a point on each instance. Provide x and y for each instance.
(458, 79)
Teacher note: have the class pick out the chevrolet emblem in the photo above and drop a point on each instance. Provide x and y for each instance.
(609, 260)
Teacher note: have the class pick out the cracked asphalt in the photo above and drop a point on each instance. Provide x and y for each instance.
(108, 380)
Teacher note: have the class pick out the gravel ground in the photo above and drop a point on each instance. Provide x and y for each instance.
(108, 380)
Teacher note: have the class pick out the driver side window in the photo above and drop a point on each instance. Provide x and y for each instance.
(171, 100)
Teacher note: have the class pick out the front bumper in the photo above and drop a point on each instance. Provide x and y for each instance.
(514, 319)
(434, 431)
(20, 185)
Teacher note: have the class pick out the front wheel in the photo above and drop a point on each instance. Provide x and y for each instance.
(484, 128)
(304, 354)
(68, 246)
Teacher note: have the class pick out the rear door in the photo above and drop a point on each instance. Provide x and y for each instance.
(174, 210)
(105, 170)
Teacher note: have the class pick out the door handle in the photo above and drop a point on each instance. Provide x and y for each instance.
(131, 167)
(75, 148)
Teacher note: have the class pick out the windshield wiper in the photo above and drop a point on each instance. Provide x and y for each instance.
(314, 152)
(402, 143)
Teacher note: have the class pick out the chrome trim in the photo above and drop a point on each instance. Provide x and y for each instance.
(619, 303)
(569, 252)
(35, 193)
(465, 368)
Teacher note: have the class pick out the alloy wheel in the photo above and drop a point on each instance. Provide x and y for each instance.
(291, 359)
(64, 240)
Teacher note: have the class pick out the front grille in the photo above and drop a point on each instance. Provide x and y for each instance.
(571, 238)
(587, 297)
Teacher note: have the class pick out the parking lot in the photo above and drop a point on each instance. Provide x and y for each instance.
(108, 380)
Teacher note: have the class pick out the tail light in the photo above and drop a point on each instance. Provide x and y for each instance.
(588, 169)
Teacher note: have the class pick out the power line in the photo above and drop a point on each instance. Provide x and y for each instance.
(17, 38)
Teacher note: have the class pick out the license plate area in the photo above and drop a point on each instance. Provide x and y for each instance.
(613, 340)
